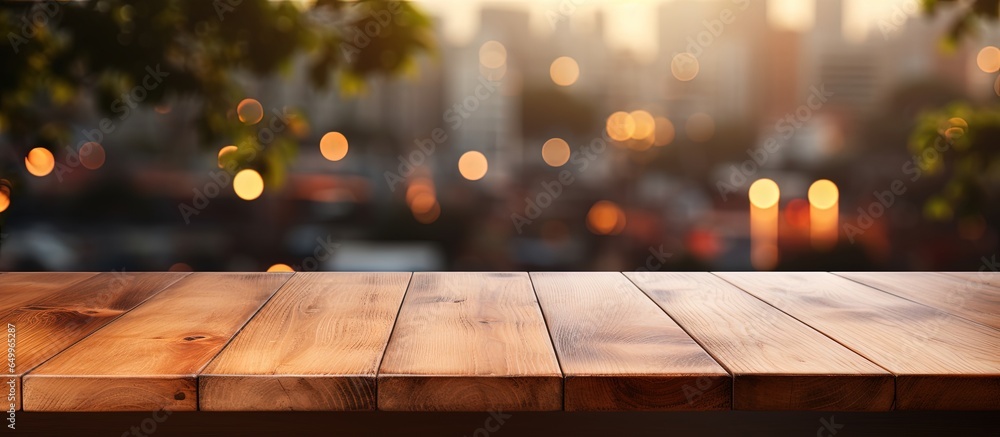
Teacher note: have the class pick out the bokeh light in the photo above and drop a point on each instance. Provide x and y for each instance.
(225, 151)
(764, 256)
(417, 187)
(4, 196)
(700, 127)
(473, 165)
(684, 67)
(642, 144)
(564, 71)
(180, 267)
(430, 216)
(764, 193)
(955, 127)
(250, 111)
(492, 54)
(248, 184)
(40, 161)
(645, 125)
(555, 152)
(423, 203)
(797, 213)
(665, 131)
(823, 194)
(620, 126)
(279, 268)
(92, 155)
(988, 59)
(333, 146)
(606, 218)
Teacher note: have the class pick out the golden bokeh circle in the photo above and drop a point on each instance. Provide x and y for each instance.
(556, 152)
(823, 194)
(40, 161)
(248, 184)
(564, 71)
(764, 193)
(684, 67)
(473, 165)
(333, 146)
(250, 111)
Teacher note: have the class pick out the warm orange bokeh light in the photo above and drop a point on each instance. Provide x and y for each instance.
(764, 193)
(248, 184)
(277, 268)
(764, 255)
(665, 132)
(40, 161)
(823, 194)
(492, 54)
(797, 214)
(473, 165)
(606, 218)
(225, 151)
(988, 59)
(423, 203)
(417, 187)
(4, 198)
(333, 146)
(620, 126)
(700, 127)
(555, 152)
(92, 155)
(824, 217)
(250, 111)
(429, 216)
(764, 198)
(564, 71)
(645, 125)
(684, 67)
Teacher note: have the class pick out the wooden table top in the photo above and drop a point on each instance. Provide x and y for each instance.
(503, 341)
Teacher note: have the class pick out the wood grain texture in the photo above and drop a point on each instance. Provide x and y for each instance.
(985, 277)
(315, 346)
(48, 325)
(469, 342)
(940, 361)
(18, 289)
(968, 298)
(777, 362)
(148, 358)
(620, 352)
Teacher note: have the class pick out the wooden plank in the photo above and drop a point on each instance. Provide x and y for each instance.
(777, 362)
(469, 342)
(940, 361)
(21, 288)
(148, 359)
(620, 352)
(970, 299)
(47, 326)
(985, 277)
(315, 346)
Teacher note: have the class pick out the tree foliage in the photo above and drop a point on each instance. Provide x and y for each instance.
(67, 61)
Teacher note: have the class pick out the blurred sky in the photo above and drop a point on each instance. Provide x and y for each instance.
(632, 23)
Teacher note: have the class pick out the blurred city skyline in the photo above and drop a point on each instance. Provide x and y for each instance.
(552, 135)
(632, 24)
